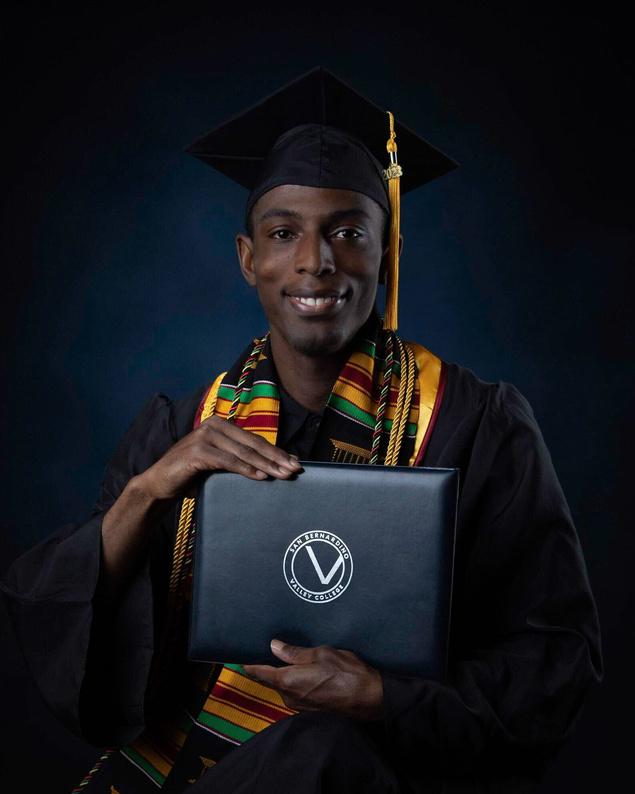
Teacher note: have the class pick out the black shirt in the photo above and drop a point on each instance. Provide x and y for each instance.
(298, 426)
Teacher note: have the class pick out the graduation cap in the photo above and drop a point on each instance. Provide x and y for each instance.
(320, 132)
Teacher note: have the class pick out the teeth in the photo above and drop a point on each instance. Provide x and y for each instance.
(318, 301)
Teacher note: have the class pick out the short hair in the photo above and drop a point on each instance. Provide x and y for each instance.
(385, 232)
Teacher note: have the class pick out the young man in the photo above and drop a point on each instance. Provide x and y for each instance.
(323, 383)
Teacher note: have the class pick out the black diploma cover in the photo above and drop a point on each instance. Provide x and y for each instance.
(354, 556)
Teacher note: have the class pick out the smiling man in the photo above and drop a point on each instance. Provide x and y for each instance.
(100, 607)
(315, 256)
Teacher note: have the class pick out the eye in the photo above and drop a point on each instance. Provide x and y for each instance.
(276, 232)
(348, 233)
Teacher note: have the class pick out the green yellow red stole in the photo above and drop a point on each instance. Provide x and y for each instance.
(368, 398)
(382, 410)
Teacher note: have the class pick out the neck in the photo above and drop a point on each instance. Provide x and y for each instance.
(308, 379)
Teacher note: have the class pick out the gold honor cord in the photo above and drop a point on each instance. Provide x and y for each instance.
(404, 401)
(189, 503)
(187, 513)
(178, 571)
(392, 174)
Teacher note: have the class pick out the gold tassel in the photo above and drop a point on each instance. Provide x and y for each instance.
(392, 174)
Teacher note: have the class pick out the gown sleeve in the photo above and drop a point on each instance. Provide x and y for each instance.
(525, 636)
(89, 659)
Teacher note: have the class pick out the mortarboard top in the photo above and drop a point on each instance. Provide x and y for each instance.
(318, 131)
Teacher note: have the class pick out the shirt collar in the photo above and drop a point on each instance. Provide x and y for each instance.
(292, 416)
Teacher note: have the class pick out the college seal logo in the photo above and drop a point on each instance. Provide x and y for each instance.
(318, 566)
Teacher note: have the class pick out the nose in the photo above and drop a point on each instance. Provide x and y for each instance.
(314, 255)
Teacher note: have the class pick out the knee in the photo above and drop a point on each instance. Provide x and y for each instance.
(326, 721)
(342, 754)
(327, 730)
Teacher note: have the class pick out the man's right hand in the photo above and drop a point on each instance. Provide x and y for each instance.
(215, 444)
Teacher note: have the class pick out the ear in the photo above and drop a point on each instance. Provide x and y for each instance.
(245, 249)
(384, 261)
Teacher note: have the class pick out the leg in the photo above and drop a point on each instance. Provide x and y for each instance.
(310, 752)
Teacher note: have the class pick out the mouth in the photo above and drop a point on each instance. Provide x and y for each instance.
(314, 303)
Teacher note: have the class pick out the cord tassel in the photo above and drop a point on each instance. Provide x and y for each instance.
(392, 175)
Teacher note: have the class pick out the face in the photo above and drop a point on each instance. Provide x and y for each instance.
(315, 259)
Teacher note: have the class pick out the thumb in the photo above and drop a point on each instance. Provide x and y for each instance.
(290, 653)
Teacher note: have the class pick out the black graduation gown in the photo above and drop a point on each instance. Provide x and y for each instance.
(525, 638)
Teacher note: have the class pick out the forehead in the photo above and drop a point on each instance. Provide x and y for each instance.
(304, 201)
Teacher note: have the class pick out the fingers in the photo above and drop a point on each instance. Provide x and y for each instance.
(226, 460)
(216, 444)
(296, 654)
(265, 673)
(317, 685)
(322, 677)
(246, 452)
(254, 441)
(243, 459)
(300, 654)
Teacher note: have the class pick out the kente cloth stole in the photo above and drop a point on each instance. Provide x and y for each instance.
(219, 706)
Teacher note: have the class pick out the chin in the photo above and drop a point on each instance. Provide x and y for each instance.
(323, 344)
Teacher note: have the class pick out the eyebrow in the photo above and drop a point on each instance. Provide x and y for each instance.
(336, 215)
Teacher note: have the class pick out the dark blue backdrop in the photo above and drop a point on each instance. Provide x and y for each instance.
(121, 277)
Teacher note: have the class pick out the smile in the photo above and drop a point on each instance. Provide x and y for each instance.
(315, 305)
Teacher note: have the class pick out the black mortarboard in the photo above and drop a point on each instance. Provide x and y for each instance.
(320, 132)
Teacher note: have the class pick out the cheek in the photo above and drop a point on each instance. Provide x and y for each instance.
(269, 285)
(367, 285)
(270, 271)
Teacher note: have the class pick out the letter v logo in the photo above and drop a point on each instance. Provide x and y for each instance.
(324, 579)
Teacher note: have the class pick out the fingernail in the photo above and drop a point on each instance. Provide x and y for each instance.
(276, 645)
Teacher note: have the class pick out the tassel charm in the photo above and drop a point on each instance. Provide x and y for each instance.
(392, 175)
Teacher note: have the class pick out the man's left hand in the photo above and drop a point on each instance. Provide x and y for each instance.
(323, 679)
